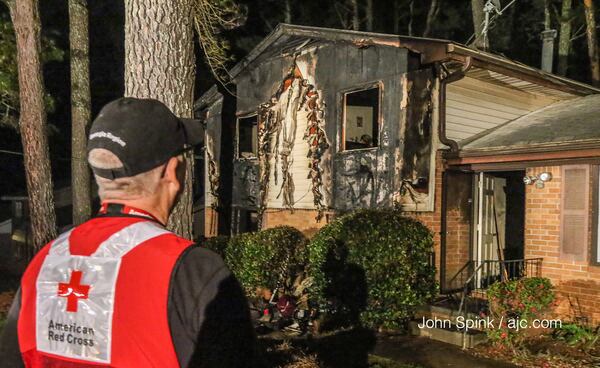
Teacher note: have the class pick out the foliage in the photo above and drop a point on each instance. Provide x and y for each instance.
(217, 244)
(372, 266)
(264, 258)
(9, 81)
(576, 335)
(525, 299)
(211, 18)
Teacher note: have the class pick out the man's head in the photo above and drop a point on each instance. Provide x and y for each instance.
(135, 150)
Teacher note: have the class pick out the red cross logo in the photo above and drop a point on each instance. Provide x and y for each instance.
(73, 291)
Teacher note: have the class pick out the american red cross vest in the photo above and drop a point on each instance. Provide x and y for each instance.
(98, 295)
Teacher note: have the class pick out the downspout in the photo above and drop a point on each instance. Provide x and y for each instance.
(444, 80)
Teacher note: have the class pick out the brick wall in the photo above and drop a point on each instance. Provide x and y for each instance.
(211, 222)
(433, 220)
(577, 282)
(301, 219)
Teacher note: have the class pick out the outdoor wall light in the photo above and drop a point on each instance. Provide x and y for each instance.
(539, 179)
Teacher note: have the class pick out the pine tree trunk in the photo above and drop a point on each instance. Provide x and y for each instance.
(396, 17)
(547, 19)
(355, 15)
(80, 109)
(479, 42)
(431, 15)
(369, 15)
(411, 13)
(288, 12)
(32, 121)
(564, 41)
(160, 64)
(592, 41)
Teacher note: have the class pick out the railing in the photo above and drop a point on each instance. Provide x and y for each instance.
(491, 271)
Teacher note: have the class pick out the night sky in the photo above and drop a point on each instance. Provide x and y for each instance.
(515, 35)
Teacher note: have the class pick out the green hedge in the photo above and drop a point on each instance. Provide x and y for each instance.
(257, 259)
(217, 244)
(372, 266)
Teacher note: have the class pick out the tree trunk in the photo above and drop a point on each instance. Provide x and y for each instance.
(80, 109)
(592, 41)
(431, 15)
(288, 12)
(479, 42)
(396, 17)
(160, 64)
(32, 121)
(411, 13)
(564, 41)
(355, 15)
(369, 15)
(547, 19)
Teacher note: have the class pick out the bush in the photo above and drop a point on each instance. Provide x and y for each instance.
(217, 244)
(372, 266)
(259, 259)
(576, 335)
(524, 299)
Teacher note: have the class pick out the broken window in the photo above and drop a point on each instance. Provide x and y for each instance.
(248, 137)
(361, 119)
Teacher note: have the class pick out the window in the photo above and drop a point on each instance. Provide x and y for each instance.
(248, 137)
(361, 119)
(575, 212)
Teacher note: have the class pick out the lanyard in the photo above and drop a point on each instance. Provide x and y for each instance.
(115, 209)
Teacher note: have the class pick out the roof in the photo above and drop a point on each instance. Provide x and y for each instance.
(292, 37)
(563, 125)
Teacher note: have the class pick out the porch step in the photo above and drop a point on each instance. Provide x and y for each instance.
(446, 322)
(442, 313)
(448, 335)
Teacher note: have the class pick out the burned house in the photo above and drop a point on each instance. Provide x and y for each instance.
(327, 121)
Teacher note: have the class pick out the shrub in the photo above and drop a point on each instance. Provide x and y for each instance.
(577, 335)
(217, 244)
(525, 299)
(372, 266)
(259, 259)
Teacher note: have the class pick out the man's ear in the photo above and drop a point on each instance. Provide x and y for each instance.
(172, 170)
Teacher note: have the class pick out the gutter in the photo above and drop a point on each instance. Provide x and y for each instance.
(444, 80)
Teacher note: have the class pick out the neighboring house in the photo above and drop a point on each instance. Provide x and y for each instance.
(327, 121)
(16, 246)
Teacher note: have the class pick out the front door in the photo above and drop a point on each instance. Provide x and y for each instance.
(490, 218)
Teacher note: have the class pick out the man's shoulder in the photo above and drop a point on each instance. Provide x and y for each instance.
(198, 256)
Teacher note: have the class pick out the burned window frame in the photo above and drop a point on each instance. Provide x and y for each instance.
(342, 123)
(239, 118)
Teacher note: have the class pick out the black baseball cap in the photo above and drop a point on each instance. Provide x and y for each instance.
(142, 133)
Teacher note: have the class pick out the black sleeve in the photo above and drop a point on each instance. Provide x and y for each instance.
(10, 354)
(209, 315)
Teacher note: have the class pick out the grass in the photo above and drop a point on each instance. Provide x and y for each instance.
(379, 362)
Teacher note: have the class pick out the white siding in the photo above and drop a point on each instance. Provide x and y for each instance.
(473, 106)
(303, 197)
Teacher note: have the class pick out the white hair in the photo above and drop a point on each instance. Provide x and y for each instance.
(129, 188)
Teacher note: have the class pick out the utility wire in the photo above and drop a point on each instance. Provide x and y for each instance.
(492, 19)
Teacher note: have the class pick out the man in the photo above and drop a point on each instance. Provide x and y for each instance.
(120, 290)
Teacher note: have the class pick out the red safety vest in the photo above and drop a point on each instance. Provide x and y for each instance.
(97, 296)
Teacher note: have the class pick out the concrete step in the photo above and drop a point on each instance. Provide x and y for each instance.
(442, 313)
(449, 334)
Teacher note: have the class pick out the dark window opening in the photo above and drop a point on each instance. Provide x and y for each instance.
(199, 178)
(248, 221)
(361, 115)
(248, 137)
